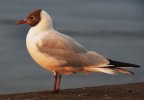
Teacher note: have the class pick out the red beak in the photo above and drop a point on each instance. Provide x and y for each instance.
(21, 22)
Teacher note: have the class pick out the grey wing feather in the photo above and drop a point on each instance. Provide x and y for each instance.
(62, 47)
(61, 41)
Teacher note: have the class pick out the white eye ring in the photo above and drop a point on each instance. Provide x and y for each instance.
(32, 17)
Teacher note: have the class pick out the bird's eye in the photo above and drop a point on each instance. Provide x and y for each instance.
(32, 17)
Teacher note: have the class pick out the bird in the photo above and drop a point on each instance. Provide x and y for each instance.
(63, 55)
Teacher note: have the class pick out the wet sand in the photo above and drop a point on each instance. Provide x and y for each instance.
(133, 91)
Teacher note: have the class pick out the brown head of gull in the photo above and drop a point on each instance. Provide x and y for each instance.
(61, 54)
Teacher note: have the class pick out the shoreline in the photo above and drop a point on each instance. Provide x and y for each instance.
(132, 91)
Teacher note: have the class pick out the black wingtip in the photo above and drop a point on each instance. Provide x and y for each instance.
(122, 64)
(135, 66)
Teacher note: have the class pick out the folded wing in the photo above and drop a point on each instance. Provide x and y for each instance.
(64, 48)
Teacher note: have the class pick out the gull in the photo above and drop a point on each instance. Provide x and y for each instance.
(61, 54)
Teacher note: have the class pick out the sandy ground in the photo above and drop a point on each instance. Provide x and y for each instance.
(133, 91)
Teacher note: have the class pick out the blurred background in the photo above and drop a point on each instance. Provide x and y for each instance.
(113, 28)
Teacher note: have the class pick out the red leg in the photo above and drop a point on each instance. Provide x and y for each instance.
(59, 82)
(55, 82)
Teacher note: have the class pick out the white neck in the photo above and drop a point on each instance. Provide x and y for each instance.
(45, 23)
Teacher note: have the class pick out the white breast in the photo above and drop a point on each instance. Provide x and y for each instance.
(42, 59)
(31, 43)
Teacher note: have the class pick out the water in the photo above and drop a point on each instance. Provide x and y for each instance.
(113, 28)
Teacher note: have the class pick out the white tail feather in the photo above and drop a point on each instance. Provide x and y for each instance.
(104, 70)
